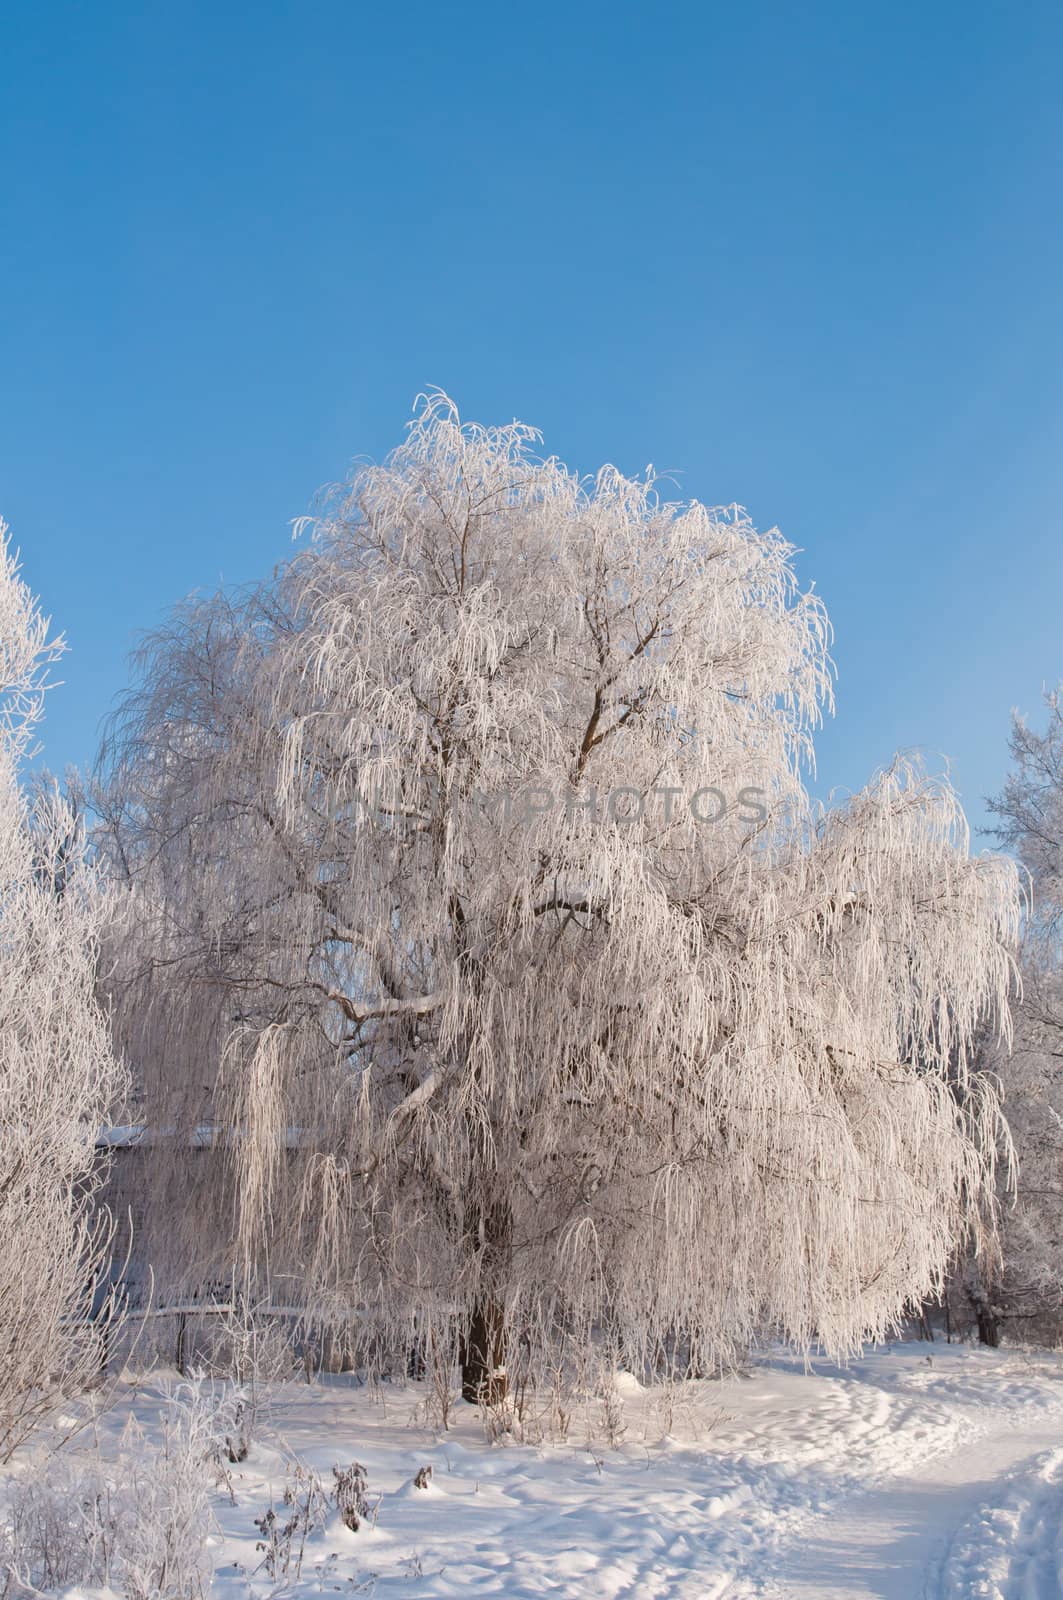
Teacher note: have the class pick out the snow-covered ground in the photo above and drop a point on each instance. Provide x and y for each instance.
(919, 1471)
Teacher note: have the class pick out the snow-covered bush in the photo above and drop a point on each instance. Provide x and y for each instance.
(163, 1553)
(252, 1348)
(137, 1523)
(58, 1076)
(533, 993)
(58, 1528)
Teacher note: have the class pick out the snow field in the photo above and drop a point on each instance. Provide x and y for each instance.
(889, 1478)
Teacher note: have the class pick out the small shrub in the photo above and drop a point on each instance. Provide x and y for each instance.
(351, 1495)
(304, 1510)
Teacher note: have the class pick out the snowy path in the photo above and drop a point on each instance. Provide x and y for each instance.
(943, 1530)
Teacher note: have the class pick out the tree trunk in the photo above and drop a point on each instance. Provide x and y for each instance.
(988, 1326)
(483, 1346)
(483, 1371)
(986, 1316)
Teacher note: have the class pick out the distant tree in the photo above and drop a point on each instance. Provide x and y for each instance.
(58, 1077)
(478, 906)
(1029, 1292)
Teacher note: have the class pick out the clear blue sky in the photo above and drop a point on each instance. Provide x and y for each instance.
(808, 256)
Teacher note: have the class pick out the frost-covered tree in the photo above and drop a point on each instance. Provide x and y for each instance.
(58, 1076)
(478, 907)
(1030, 813)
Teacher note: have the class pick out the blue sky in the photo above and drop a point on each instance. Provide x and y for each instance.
(807, 257)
